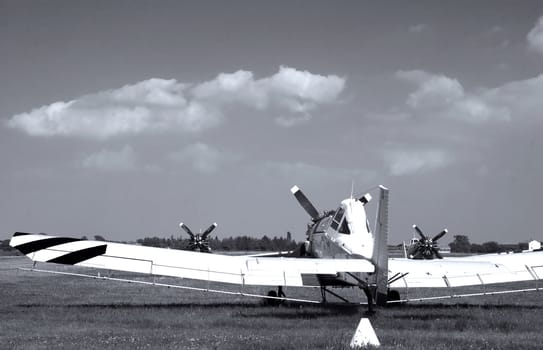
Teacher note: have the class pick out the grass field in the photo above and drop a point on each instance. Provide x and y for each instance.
(43, 311)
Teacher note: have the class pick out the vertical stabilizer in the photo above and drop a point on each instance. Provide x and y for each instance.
(380, 252)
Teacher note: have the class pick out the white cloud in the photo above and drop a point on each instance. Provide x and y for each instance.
(418, 28)
(291, 85)
(203, 158)
(535, 36)
(295, 91)
(438, 96)
(239, 87)
(433, 90)
(291, 121)
(518, 100)
(496, 29)
(151, 105)
(408, 162)
(163, 105)
(122, 160)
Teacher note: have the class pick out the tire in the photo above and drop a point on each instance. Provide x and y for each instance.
(393, 295)
(270, 301)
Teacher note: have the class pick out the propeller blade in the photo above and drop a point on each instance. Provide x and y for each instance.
(305, 203)
(365, 199)
(436, 253)
(439, 235)
(208, 231)
(187, 230)
(419, 232)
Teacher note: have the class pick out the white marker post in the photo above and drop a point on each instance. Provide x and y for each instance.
(364, 335)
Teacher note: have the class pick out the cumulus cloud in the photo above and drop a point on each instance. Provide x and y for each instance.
(418, 28)
(297, 92)
(535, 36)
(408, 162)
(121, 160)
(291, 121)
(518, 100)
(151, 105)
(158, 105)
(203, 158)
(439, 96)
(433, 90)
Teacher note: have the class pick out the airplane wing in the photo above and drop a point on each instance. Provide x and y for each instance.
(243, 270)
(466, 271)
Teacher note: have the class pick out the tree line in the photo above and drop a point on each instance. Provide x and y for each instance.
(238, 243)
(461, 244)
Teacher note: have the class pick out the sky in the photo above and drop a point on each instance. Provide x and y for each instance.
(124, 118)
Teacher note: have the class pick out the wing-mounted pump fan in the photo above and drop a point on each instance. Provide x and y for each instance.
(199, 241)
(425, 247)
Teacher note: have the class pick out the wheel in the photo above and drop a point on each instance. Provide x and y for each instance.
(271, 301)
(393, 295)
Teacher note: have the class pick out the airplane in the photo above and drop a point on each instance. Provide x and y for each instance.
(425, 247)
(341, 250)
(200, 241)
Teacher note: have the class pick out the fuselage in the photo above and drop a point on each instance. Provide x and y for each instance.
(344, 233)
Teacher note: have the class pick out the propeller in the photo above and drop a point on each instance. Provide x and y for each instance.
(426, 248)
(199, 241)
(305, 203)
(365, 199)
(208, 231)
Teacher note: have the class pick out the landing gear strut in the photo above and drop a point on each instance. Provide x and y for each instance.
(323, 294)
(369, 295)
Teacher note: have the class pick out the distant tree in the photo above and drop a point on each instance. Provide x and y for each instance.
(265, 244)
(491, 247)
(84, 237)
(99, 238)
(239, 243)
(460, 244)
(4, 245)
(214, 243)
(522, 246)
(153, 242)
(476, 248)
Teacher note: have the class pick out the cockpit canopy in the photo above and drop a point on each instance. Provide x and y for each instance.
(339, 222)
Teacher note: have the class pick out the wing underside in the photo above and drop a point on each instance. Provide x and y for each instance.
(466, 271)
(275, 271)
(243, 270)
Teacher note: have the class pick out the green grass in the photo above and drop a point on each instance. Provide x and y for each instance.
(43, 311)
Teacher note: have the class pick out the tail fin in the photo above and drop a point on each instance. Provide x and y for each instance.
(380, 251)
